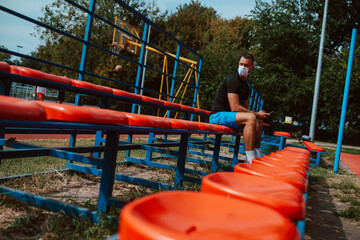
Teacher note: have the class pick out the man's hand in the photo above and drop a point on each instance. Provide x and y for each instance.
(262, 115)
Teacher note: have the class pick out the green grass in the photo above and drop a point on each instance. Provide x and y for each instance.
(352, 212)
(346, 185)
(37, 224)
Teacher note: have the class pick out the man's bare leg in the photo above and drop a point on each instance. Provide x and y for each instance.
(249, 132)
(258, 133)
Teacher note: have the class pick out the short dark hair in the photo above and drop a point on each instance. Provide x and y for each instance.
(248, 56)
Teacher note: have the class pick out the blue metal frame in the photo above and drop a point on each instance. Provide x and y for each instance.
(345, 99)
(105, 166)
(108, 163)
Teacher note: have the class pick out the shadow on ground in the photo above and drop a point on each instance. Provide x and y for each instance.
(321, 220)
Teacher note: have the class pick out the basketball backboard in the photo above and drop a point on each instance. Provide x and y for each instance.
(121, 38)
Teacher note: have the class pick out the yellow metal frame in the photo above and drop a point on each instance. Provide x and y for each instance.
(127, 46)
(124, 38)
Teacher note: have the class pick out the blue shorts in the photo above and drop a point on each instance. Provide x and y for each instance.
(224, 118)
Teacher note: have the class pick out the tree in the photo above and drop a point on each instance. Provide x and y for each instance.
(229, 40)
(285, 41)
(4, 56)
(30, 63)
(332, 85)
(284, 48)
(191, 23)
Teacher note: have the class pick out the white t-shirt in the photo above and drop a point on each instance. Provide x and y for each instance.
(41, 90)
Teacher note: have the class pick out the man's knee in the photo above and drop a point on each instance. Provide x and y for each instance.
(246, 118)
(252, 119)
(259, 124)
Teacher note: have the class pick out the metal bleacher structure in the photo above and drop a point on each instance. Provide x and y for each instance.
(169, 118)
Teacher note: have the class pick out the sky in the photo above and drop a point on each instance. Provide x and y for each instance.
(15, 33)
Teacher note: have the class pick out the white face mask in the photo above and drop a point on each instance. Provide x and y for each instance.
(243, 71)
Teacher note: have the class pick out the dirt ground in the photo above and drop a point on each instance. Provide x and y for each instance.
(321, 221)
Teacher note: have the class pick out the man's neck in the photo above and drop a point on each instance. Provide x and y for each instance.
(243, 78)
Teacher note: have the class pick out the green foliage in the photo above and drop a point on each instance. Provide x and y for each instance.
(332, 90)
(191, 24)
(229, 40)
(4, 56)
(285, 42)
(284, 50)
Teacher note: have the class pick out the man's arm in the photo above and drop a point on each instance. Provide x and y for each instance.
(243, 107)
(245, 103)
(235, 104)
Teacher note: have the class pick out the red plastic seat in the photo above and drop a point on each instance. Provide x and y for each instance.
(20, 109)
(299, 153)
(282, 174)
(214, 127)
(301, 162)
(171, 104)
(28, 72)
(283, 134)
(4, 67)
(291, 154)
(126, 94)
(147, 121)
(296, 149)
(290, 157)
(183, 124)
(87, 85)
(284, 164)
(201, 110)
(70, 113)
(222, 128)
(279, 195)
(313, 147)
(186, 215)
(152, 100)
(207, 126)
(187, 108)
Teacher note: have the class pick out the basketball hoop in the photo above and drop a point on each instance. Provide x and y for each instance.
(115, 48)
(123, 40)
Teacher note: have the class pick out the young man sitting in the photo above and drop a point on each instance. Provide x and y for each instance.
(231, 104)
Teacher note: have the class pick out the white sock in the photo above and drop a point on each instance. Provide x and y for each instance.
(250, 155)
(257, 152)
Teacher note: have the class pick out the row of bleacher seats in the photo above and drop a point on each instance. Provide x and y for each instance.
(262, 200)
(62, 82)
(24, 115)
(289, 166)
(31, 76)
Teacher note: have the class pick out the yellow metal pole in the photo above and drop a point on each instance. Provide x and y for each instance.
(182, 97)
(182, 83)
(162, 78)
(154, 50)
(115, 30)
